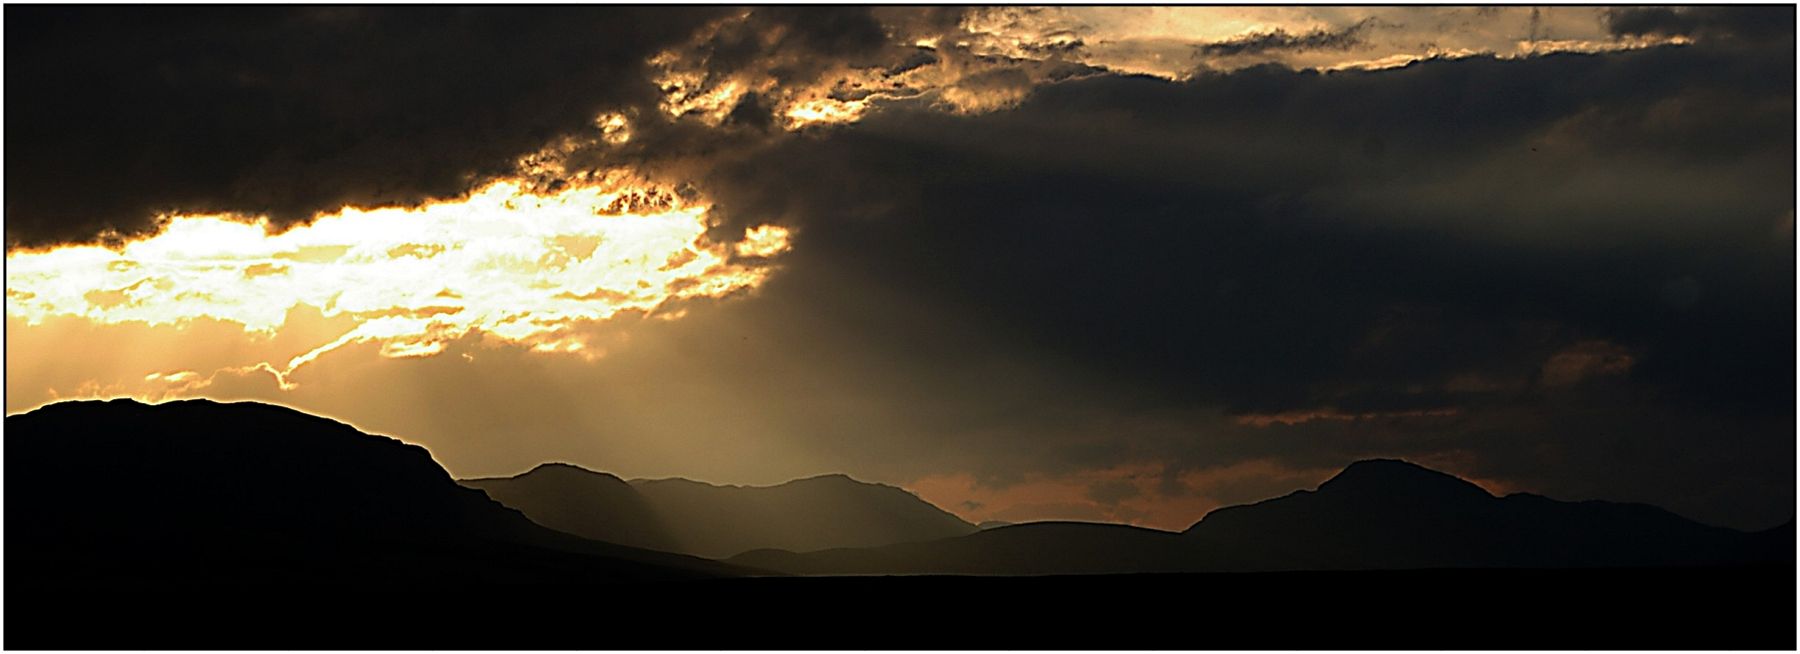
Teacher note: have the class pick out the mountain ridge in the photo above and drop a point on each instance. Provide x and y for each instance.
(197, 489)
(713, 520)
(1386, 514)
(252, 484)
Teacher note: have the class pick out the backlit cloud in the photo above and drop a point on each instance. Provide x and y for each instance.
(517, 266)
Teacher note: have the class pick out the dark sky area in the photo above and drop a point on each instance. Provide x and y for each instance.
(1053, 264)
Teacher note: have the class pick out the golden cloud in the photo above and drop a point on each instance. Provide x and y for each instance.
(521, 266)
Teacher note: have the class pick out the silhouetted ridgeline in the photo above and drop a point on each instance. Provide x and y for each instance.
(1375, 515)
(691, 517)
(199, 525)
(197, 491)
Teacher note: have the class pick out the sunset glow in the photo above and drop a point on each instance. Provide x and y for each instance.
(1119, 264)
(518, 266)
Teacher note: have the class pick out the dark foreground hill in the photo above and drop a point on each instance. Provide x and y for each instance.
(1615, 608)
(1375, 515)
(197, 492)
(680, 515)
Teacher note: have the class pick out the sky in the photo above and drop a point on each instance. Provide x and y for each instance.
(1096, 263)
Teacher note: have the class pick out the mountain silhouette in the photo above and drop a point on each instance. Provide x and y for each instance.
(1374, 515)
(582, 502)
(1388, 514)
(198, 491)
(680, 515)
(200, 525)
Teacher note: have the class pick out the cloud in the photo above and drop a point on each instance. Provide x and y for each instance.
(1279, 39)
(1283, 226)
(1113, 491)
(1169, 41)
(138, 113)
(287, 112)
(1583, 360)
(503, 263)
(1327, 413)
(1772, 23)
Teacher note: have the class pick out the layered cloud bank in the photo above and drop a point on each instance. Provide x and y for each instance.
(296, 112)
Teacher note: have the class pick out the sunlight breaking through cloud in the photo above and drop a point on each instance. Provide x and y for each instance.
(992, 58)
(520, 266)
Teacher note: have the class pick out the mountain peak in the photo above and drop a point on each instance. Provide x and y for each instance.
(830, 478)
(1397, 476)
(559, 466)
(567, 475)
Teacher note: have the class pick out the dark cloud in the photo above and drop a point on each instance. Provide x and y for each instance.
(920, 57)
(1279, 39)
(125, 113)
(1453, 235)
(1756, 23)
(1113, 491)
(1060, 43)
(794, 44)
(121, 112)
(1246, 223)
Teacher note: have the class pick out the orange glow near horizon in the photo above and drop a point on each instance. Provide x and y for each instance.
(504, 262)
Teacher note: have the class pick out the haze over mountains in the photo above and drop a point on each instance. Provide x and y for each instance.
(1375, 515)
(680, 515)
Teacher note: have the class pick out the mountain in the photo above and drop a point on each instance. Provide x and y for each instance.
(198, 525)
(1388, 514)
(691, 517)
(1377, 514)
(197, 491)
(582, 502)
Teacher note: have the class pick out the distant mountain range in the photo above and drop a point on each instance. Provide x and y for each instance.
(1377, 514)
(197, 491)
(680, 515)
